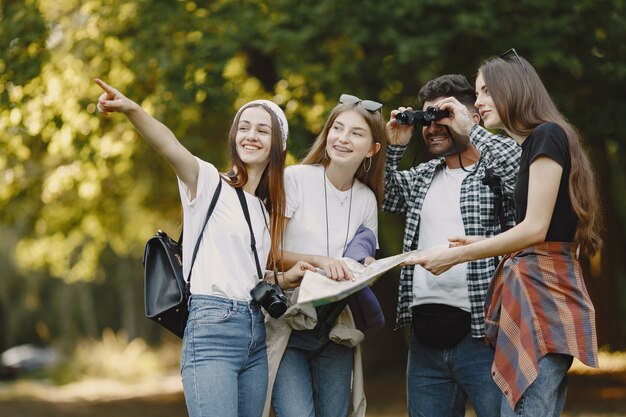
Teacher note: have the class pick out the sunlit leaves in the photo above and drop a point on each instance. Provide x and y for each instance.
(22, 36)
(192, 64)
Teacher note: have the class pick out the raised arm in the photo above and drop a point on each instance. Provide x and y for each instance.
(398, 184)
(159, 136)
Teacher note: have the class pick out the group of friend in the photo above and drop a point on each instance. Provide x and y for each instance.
(496, 302)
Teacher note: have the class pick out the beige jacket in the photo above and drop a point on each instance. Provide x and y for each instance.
(297, 318)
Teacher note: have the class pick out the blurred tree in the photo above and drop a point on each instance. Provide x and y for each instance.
(83, 193)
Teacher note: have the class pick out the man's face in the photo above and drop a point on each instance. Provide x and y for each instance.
(437, 138)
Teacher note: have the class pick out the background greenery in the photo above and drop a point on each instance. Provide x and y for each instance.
(80, 194)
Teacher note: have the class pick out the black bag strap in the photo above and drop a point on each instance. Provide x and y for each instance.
(206, 220)
(495, 185)
(328, 313)
(246, 213)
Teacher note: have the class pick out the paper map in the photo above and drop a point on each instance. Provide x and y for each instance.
(317, 289)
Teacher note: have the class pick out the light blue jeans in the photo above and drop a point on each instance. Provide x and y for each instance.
(545, 397)
(314, 377)
(439, 381)
(224, 360)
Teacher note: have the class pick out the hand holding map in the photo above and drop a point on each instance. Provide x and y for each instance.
(317, 289)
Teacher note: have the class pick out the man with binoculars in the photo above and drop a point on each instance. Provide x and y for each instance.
(464, 190)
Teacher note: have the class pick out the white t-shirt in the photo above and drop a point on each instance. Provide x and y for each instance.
(306, 209)
(225, 265)
(440, 219)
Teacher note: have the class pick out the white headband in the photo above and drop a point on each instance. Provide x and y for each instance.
(278, 112)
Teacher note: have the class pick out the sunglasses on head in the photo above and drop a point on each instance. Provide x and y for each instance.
(514, 52)
(370, 105)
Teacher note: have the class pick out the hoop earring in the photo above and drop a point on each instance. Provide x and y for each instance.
(365, 166)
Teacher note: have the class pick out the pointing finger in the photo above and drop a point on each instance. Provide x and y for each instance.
(110, 90)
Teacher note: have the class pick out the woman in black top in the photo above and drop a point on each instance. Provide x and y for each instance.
(539, 312)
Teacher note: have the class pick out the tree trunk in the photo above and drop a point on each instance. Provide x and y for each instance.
(7, 332)
(88, 309)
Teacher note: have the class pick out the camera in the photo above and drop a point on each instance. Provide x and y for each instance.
(421, 118)
(270, 297)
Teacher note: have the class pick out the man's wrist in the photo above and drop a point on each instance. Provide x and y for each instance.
(473, 128)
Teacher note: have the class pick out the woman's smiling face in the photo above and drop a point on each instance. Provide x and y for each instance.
(254, 136)
(349, 139)
(485, 105)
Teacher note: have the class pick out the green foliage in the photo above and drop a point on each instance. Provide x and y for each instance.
(83, 192)
(22, 34)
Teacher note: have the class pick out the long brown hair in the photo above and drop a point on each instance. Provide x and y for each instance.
(271, 188)
(523, 103)
(373, 177)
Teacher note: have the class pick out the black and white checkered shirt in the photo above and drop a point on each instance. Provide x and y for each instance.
(405, 192)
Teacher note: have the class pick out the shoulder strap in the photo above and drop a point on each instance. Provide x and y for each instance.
(246, 213)
(495, 185)
(206, 220)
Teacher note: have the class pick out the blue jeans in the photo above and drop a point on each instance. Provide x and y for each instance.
(224, 360)
(545, 397)
(439, 381)
(314, 377)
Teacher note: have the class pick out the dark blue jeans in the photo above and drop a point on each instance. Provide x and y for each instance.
(439, 381)
(314, 377)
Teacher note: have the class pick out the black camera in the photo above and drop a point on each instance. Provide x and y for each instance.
(421, 118)
(270, 297)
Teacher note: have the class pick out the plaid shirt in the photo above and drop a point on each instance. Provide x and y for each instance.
(538, 304)
(405, 192)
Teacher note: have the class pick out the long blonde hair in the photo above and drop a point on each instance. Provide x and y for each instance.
(372, 177)
(523, 103)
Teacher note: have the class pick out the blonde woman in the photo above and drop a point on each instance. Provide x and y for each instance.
(337, 188)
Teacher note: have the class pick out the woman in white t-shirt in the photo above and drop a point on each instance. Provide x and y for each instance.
(224, 361)
(337, 188)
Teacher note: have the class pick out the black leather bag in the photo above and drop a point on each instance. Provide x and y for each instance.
(165, 290)
(166, 293)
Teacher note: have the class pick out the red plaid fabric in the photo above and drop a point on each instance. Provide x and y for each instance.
(538, 304)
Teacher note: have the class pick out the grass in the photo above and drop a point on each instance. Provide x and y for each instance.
(110, 367)
(115, 368)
